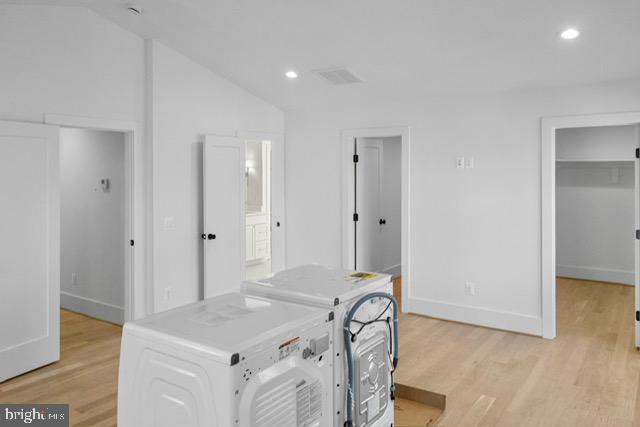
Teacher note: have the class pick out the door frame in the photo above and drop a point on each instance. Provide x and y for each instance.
(137, 298)
(549, 125)
(278, 195)
(347, 138)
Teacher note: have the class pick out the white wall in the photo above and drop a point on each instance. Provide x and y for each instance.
(390, 256)
(188, 101)
(92, 240)
(68, 60)
(595, 204)
(480, 225)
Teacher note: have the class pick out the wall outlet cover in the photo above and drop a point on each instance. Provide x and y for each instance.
(470, 289)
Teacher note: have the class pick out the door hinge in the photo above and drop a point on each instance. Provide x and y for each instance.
(355, 216)
(638, 234)
(131, 242)
(356, 158)
(637, 316)
(637, 153)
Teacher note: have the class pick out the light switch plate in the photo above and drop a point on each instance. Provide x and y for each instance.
(469, 163)
(169, 223)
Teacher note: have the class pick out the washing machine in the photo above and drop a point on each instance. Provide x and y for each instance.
(338, 290)
(232, 360)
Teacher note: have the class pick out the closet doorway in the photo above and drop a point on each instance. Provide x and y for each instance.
(375, 209)
(590, 218)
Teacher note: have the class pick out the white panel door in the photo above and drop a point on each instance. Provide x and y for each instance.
(278, 220)
(224, 214)
(637, 247)
(368, 198)
(29, 247)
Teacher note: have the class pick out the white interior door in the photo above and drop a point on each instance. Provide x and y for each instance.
(368, 198)
(224, 214)
(637, 245)
(29, 247)
(278, 220)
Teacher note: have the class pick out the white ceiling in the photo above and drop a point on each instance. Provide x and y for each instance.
(401, 49)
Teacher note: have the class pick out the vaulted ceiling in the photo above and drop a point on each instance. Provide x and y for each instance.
(401, 49)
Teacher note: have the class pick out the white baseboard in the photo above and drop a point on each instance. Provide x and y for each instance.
(93, 308)
(394, 270)
(593, 273)
(475, 315)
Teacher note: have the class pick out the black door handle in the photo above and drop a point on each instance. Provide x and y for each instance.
(203, 236)
(211, 236)
(382, 221)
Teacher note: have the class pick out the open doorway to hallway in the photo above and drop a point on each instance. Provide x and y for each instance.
(93, 245)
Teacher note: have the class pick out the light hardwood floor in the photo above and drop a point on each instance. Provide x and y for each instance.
(86, 377)
(589, 375)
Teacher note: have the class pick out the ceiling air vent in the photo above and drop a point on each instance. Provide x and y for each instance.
(338, 76)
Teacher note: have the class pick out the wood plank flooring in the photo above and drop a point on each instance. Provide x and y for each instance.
(588, 376)
(86, 376)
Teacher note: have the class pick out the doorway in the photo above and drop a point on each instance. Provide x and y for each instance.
(93, 244)
(257, 177)
(264, 204)
(32, 249)
(376, 204)
(590, 208)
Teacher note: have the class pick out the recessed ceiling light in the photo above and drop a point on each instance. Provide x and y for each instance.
(569, 34)
(291, 74)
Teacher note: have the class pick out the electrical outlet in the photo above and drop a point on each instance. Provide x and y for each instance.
(75, 279)
(460, 163)
(167, 294)
(470, 289)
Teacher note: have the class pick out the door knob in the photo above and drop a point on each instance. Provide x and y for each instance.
(211, 236)
(203, 236)
(382, 221)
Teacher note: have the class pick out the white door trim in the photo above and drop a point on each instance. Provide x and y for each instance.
(278, 195)
(347, 137)
(135, 289)
(549, 125)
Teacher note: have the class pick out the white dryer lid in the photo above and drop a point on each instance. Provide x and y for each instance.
(228, 324)
(318, 284)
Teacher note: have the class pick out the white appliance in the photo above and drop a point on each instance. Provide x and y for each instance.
(337, 289)
(231, 360)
